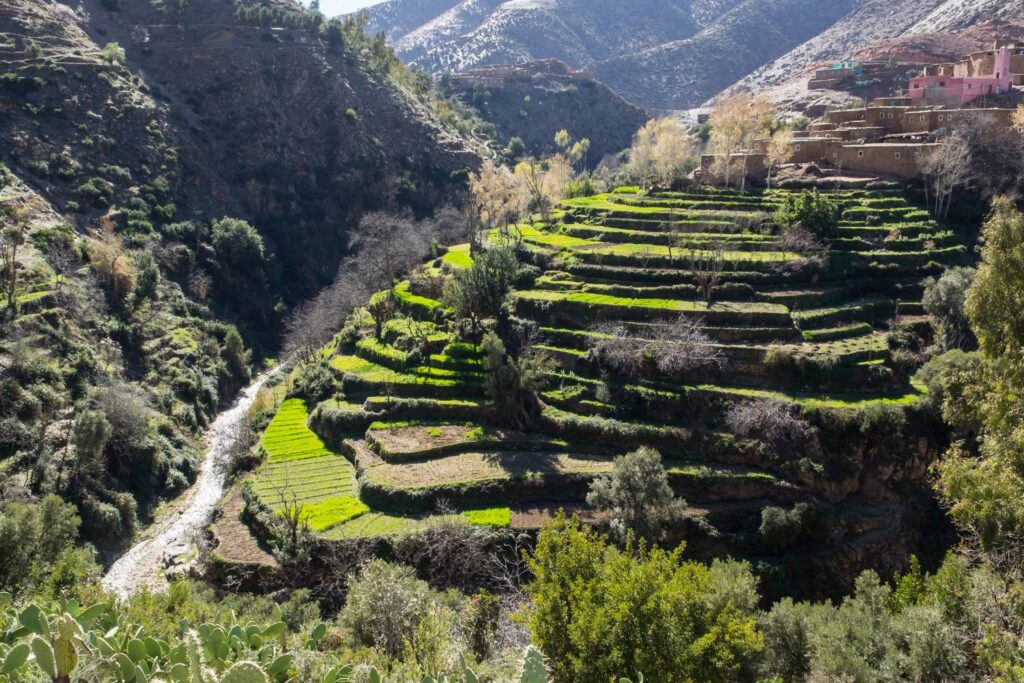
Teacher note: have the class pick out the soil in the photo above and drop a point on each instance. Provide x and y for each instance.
(235, 543)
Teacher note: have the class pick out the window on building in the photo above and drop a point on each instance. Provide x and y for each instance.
(860, 153)
(899, 155)
(796, 147)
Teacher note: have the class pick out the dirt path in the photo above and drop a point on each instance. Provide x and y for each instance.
(172, 537)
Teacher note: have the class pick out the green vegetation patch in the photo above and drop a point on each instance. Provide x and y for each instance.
(493, 517)
(288, 438)
(458, 256)
(325, 514)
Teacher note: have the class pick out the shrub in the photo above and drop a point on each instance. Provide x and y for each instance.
(944, 299)
(316, 382)
(637, 496)
(20, 85)
(781, 359)
(883, 423)
(111, 53)
(780, 529)
(386, 604)
(814, 211)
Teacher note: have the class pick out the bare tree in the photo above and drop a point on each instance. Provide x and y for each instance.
(388, 244)
(948, 166)
(707, 266)
(774, 422)
(674, 348)
(675, 238)
(799, 240)
(681, 347)
(314, 323)
(63, 257)
(449, 225)
(996, 159)
(619, 350)
(780, 151)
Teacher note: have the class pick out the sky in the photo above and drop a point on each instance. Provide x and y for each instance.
(333, 8)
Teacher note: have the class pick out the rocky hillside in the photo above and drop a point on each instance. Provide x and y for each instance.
(878, 21)
(664, 55)
(221, 117)
(168, 175)
(535, 100)
(908, 53)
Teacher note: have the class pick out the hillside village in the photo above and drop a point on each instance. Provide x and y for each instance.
(889, 136)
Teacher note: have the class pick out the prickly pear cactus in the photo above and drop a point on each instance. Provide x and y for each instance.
(195, 659)
(245, 672)
(534, 670)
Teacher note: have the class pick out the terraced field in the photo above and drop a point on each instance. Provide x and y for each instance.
(815, 334)
(300, 469)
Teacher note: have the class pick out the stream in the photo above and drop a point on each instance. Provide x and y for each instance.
(174, 533)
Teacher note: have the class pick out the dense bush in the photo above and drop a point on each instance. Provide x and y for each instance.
(812, 210)
(316, 382)
(780, 529)
(600, 613)
(944, 299)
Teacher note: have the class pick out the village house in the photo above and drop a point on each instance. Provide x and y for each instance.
(988, 73)
(888, 136)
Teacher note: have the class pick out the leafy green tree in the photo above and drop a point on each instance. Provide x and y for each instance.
(242, 261)
(147, 279)
(513, 383)
(480, 292)
(111, 53)
(238, 245)
(985, 490)
(812, 210)
(516, 149)
(236, 357)
(945, 300)
(599, 613)
(13, 234)
(637, 497)
(33, 536)
(92, 431)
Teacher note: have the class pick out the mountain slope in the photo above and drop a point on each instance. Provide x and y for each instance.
(536, 100)
(665, 55)
(880, 20)
(129, 136)
(684, 73)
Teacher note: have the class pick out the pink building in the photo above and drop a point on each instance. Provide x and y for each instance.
(980, 74)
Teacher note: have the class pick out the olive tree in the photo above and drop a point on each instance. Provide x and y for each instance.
(637, 497)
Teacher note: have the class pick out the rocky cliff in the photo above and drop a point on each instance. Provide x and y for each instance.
(208, 115)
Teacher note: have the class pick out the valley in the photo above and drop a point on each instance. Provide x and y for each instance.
(473, 341)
